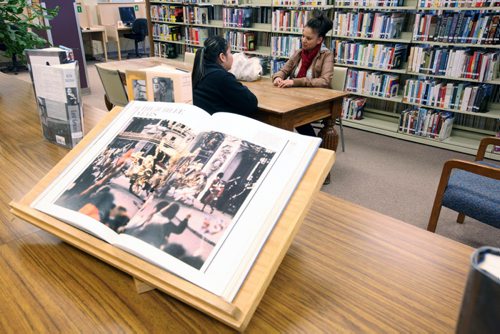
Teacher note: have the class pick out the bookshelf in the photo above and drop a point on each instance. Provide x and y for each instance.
(268, 21)
(275, 40)
(385, 115)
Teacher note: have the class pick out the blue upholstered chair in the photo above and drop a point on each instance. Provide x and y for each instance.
(470, 188)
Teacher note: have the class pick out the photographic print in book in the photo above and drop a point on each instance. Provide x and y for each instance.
(159, 182)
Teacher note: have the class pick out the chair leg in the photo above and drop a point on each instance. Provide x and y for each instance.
(460, 218)
(341, 134)
(108, 104)
(433, 220)
(436, 211)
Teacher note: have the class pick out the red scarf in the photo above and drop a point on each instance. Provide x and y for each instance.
(307, 58)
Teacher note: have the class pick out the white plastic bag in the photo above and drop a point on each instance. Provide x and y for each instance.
(246, 69)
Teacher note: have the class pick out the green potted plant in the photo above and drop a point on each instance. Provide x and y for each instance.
(18, 21)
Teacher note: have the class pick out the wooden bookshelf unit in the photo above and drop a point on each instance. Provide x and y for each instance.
(382, 114)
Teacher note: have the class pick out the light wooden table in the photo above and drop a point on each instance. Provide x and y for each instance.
(349, 269)
(97, 33)
(284, 108)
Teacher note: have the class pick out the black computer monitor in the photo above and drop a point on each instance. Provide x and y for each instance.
(127, 15)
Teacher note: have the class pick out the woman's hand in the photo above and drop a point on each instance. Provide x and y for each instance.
(277, 81)
(285, 83)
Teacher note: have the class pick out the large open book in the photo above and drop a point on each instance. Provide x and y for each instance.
(192, 193)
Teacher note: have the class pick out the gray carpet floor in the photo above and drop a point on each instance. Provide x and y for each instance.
(391, 176)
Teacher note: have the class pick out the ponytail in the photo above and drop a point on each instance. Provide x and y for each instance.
(213, 47)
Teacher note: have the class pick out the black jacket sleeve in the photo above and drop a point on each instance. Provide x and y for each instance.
(235, 94)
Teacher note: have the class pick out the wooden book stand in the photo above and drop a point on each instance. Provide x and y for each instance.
(147, 276)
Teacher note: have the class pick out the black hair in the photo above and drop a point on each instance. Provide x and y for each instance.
(213, 47)
(320, 23)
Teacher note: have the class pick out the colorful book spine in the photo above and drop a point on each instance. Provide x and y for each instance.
(463, 97)
(455, 63)
(353, 108)
(284, 46)
(290, 20)
(372, 83)
(379, 25)
(425, 122)
(371, 3)
(470, 27)
(377, 56)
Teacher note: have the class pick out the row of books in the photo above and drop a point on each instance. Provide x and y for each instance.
(167, 13)
(169, 50)
(237, 17)
(457, 3)
(372, 83)
(379, 56)
(165, 32)
(464, 27)
(241, 41)
(196, 35)
(368, 24)
(426, 123)
(284, 46)
(277, 64)
(464, 97)
(353, 107)
(311, 3)
(196, 15)
(455, 63)
(370, 3)
(290, 20)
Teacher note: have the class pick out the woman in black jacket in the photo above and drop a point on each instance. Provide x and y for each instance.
(214, 88)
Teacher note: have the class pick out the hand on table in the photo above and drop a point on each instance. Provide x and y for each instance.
(283, 83)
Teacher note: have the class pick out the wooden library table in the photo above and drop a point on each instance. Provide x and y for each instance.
(349, 269)
(97, 33)
(285, 108)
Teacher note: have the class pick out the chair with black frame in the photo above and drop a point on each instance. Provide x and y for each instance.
(470, 188)
(139, 33)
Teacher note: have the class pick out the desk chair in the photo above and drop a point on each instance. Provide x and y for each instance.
(470, 188)
(116, 95)
(139, 33)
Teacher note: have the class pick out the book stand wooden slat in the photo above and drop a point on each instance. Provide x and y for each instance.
(148, 276)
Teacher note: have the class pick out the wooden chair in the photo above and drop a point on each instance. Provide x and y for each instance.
(112, 35)
(470, 188)
(116, 94)
(189, 58)
(338, 83)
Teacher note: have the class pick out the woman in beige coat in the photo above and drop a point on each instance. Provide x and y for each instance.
(312, 65)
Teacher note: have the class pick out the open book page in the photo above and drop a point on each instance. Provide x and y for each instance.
(194, 194)
(97, 183)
